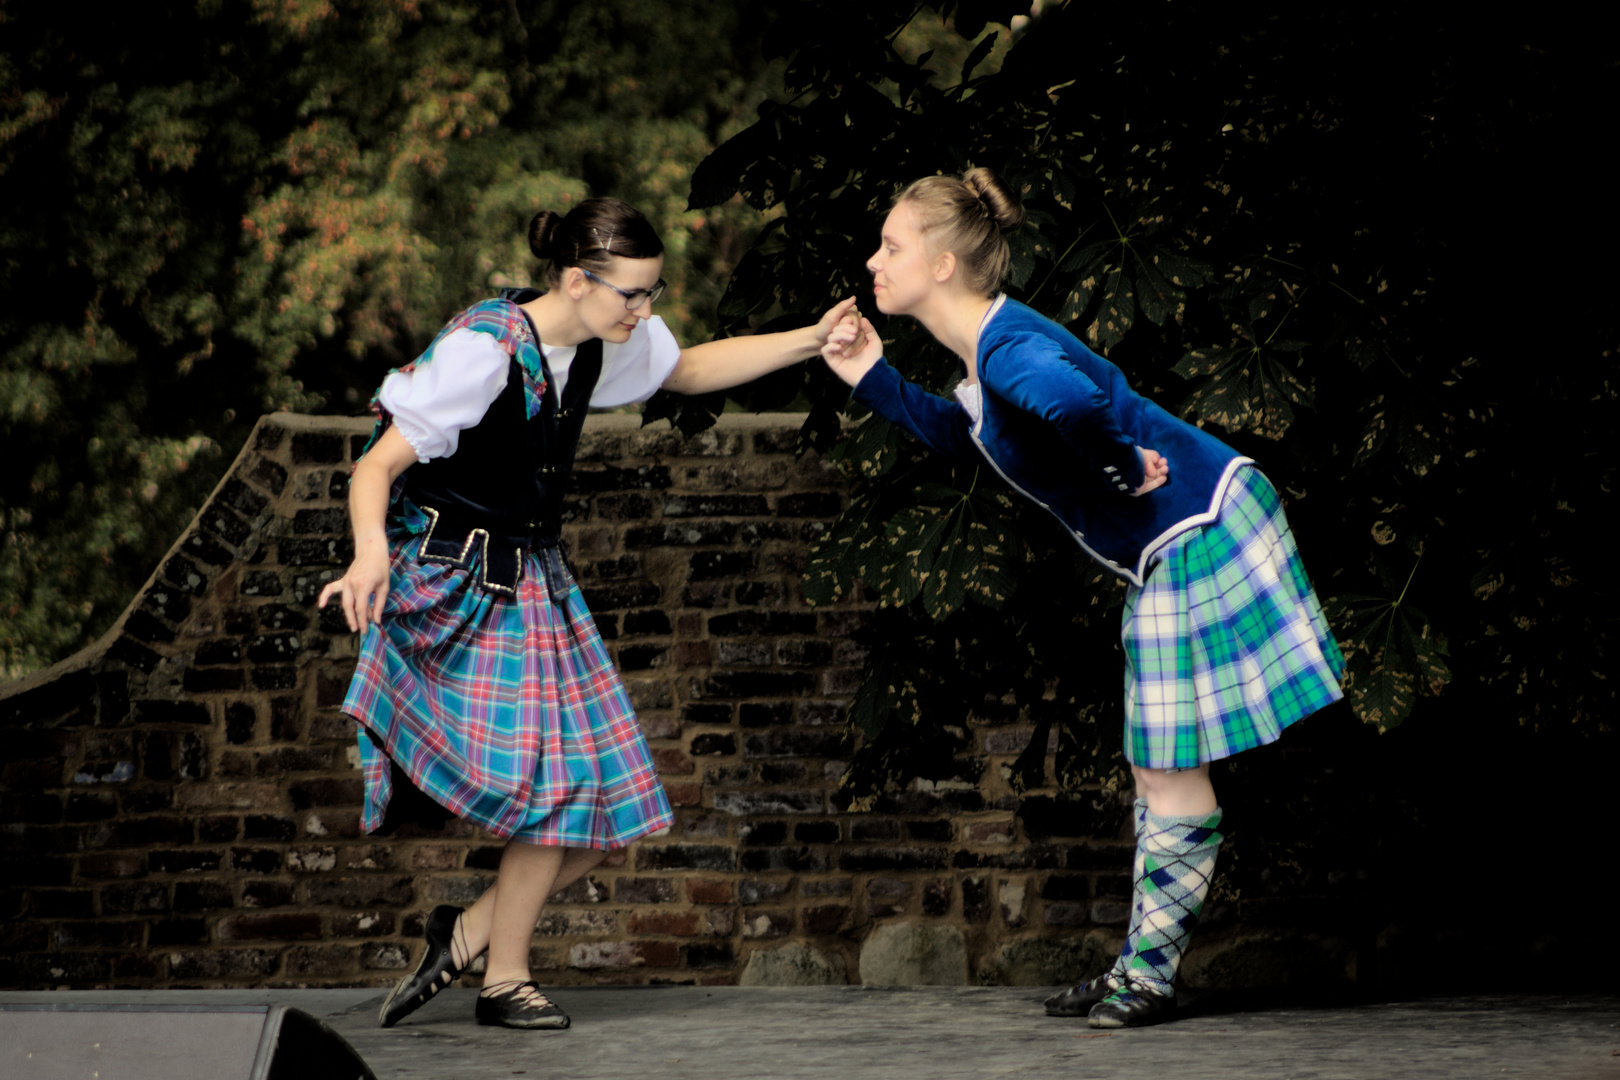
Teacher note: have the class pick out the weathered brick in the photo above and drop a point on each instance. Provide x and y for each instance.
(232, 796)
(202, 896)
(88, 805)
(647, 890)
(113, 864)
(360, 892)
(607, 954)
(684, 795)
(767, 924)
(751, 892)
(363, 924)
(763, 832)
(679, 534)
(325, 791)
(671, 761)
(687, 506)
(751, 803)
(937, 831)
(566, 922)
(277, 677)
(280, 926)
(826, 918)
(710, 742)
(320, 960)
(816, 832)
(685, 857)
(738, 684)
(183, 574)
(153, 711)
(268, 475)
(624, 507)
(141, 899)
(261, 583)
(223, 963)
(747, 653)
(267, 894)
(893, 858)
(760, 623)
(333, 551)
(654, 621)
(791, 743)
(642, 657)
(628, 594)
(798, 860)
(762, 714)
(317, 448)
(672, 923)
(989, 832)
(320, 522)
(99, 934)
(256, 860)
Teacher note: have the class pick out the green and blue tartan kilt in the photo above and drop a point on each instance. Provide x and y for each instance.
(506, 711)
(1225, 643)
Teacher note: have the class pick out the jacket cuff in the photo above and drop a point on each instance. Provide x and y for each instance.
(879, 383)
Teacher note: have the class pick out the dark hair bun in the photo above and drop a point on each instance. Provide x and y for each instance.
(1004, 208)
(543, 234)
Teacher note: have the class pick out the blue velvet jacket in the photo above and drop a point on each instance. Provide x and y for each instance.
(1062, 425)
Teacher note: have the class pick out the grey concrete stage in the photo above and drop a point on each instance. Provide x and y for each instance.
(934, 1033)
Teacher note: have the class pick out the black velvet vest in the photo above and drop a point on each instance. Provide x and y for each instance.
(500, 494)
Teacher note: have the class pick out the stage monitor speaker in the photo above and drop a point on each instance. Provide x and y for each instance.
(83, 1041)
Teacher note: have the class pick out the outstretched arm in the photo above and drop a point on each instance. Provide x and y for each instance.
(720, 365)
(855, 355)
(363, 588)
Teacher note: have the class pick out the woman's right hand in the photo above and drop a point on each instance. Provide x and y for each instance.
(363, 589)
(852, 350)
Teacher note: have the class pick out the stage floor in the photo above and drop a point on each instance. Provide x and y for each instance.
(935, 1033)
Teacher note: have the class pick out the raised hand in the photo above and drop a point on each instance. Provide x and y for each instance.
(852, 348)
(838, 313)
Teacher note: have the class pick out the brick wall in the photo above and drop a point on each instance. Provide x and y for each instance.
(181, 801)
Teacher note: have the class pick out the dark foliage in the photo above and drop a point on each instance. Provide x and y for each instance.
(1334, 236)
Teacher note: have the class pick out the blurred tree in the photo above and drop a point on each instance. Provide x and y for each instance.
(1337, 236)
(213, 209)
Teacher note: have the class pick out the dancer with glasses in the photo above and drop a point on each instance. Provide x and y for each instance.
(1225, 643)
(483, 690)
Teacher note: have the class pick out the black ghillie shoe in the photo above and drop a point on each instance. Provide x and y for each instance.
(1132, 1007)
(437, 970)
(1078, 999)
(519, 1005)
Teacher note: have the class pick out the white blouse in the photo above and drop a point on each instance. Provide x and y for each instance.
(434, 404)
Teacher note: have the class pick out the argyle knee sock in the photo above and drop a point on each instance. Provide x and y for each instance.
(1175, 860)
(1120, 971)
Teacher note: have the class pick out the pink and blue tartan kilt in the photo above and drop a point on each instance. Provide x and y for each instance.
(1225, 643)
(505, 711)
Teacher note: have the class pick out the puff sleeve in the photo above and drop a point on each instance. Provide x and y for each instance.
(633, 371)
(438, 400)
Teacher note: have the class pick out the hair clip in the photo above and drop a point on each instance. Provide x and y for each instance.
(607, 246)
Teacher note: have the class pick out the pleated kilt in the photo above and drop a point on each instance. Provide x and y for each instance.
(1225, 643)
(506, 711)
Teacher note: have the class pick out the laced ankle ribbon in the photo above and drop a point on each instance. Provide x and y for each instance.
(525, 991)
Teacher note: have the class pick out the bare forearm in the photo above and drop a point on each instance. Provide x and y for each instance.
(373, 483)
(719, 365)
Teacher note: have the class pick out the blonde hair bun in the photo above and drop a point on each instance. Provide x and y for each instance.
(1004, 208)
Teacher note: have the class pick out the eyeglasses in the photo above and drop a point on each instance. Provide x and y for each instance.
(633, 298)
